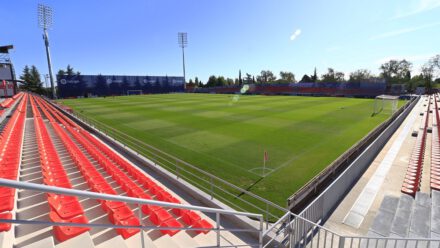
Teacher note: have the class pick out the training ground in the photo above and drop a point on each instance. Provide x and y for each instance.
(226, 135)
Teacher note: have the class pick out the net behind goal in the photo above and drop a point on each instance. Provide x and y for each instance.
(134, 92)
(386, 104)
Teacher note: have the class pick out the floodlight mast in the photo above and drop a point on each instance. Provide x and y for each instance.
(183, 42)
(45, 22)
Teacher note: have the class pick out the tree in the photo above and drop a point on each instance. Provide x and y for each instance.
(396, 71)
(101, 88)
(333, 76)
(69, 71)
(240, 81)
(360, 75)
(248, 78)
(32, 80)
(286, 77)
(266, 76)
(221, 81)
(315, 76)
(212, 81)
(306, 79)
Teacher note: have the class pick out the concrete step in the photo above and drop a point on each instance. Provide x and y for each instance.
(135, 241)
(83, 240)
(116, 241)
(420, 226)
(384, 218)
(402, 217)
(184, 240)
(435, 214)
(43, 243)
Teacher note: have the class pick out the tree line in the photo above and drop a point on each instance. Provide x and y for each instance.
(392, 71)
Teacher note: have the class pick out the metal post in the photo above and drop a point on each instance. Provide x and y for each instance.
(217, 224)
(183, 42)
(49, 63)
(142, 231)
(261, 232)
(341, 242)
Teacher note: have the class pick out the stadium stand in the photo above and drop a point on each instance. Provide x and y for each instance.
(412, 179)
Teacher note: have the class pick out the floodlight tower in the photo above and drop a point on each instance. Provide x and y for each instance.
(183, 42)
(45, 22)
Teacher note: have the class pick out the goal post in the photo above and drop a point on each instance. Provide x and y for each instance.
(386, 104)
(134, 92)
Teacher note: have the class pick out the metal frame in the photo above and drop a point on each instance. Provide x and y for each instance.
(132, 200)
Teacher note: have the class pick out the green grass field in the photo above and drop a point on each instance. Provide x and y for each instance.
(227, 136)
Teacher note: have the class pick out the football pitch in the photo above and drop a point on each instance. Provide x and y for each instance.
(228, 135)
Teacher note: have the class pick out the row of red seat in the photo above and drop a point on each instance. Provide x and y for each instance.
(121, 171)
(11, 140)
(157, 215)
(435, 151)
(118, 212)
(8, 102)
(65, 209)
(411, 183)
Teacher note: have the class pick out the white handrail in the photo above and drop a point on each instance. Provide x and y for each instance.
(94, 195)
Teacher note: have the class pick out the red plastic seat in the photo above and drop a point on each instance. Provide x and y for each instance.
(4, 227)
(190, 217)
(66, 209)
(63, 233)
(202, 224)
(7, 191)
(159, 216)
(121, 213)
(127, 232)
(171, 223)
(6, 203)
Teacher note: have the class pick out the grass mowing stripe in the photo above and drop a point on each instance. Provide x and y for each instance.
(301, 134)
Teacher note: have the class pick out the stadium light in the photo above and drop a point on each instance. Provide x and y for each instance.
(183, 42)
(45, 22)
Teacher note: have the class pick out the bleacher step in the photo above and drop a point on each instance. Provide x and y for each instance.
(166, 241)
(115, 242)
(184, 240)
(135, 241)
(44, 243)
(402, 217)
(385, 215)
(421, 217)
(83, 240)
(435, 213)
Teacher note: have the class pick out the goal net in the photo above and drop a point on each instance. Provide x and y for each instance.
(134, 92)
(385, 104)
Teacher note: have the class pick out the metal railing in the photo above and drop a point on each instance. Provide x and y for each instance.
(139, 203)
(216, 187)
(294, 231)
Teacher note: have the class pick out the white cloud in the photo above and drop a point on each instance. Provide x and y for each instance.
(416, 7)
(403, 31)
(295, 34)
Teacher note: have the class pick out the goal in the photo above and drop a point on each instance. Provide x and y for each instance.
(386, 104)
(134, 92)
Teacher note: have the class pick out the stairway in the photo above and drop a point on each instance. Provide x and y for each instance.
(407, 217)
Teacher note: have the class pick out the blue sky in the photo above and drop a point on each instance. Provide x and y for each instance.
(139, 37)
